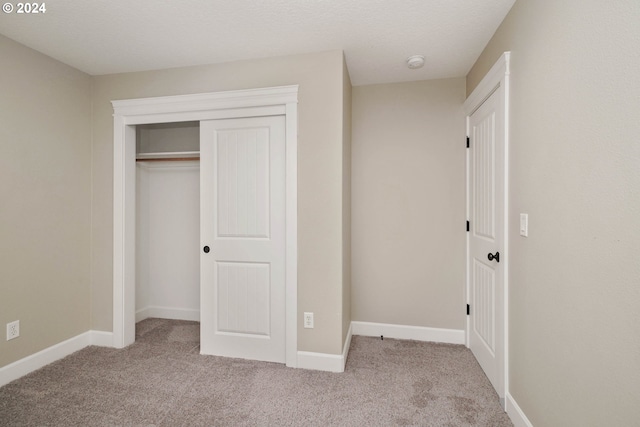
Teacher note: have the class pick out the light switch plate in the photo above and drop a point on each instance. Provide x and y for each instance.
(524, 225)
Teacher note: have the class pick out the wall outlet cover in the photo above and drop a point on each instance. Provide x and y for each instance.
(13, 330)
(308, 320)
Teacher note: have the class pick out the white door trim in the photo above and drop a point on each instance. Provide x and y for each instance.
(495, 81)
(219, 105)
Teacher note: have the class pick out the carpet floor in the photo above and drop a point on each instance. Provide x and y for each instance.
(162, 380)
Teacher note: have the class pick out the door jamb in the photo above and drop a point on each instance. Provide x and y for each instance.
(495, 81)
(206, 106)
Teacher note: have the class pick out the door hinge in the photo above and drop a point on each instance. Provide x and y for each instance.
(467, 142)
(468, 309)
(468, 226)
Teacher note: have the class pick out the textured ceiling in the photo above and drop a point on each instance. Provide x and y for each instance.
(113, 36)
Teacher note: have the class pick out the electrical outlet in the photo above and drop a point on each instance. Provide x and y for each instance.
(13, 330)
(308, 320)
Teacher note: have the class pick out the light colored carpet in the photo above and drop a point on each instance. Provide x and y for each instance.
(162, 380)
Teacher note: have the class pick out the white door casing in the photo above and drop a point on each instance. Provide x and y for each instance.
(276, 101)
(243, 228)
(487, 240)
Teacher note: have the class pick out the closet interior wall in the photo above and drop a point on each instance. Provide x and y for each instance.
(168, 223)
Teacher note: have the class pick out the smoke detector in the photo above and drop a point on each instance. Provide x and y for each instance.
(415, 61)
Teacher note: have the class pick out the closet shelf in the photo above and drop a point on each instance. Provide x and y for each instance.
(168, 156)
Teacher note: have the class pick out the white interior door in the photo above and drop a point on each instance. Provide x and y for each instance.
(486, 241)
(242, 183)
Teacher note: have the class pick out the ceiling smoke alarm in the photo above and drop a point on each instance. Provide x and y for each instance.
(415, 61)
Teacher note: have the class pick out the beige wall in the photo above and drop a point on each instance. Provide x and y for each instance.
(575, 168)
(346, 200)
(320, 187)
(45, 194)
(408, 203)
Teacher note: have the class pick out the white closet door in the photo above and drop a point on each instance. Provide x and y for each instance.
(242, 222)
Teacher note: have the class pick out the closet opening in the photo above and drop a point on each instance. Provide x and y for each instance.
(131, 120)
(167, 255)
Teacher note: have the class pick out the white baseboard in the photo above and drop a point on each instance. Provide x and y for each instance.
(325, 361)
(404, 332)
(168, 313)
(306, 359)
(28, 364)
(320, 361)
(101, 338)
(345, 348)
(518, 418)
(22, 367)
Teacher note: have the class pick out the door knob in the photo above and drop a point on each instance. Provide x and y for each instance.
(492, 256)
(206, 249)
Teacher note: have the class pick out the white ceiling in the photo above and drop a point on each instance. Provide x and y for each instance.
(114, 36)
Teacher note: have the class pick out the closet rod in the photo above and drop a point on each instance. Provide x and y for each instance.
(168, 159)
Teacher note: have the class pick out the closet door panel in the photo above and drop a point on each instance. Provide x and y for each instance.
(243, 225)
(243, 183)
